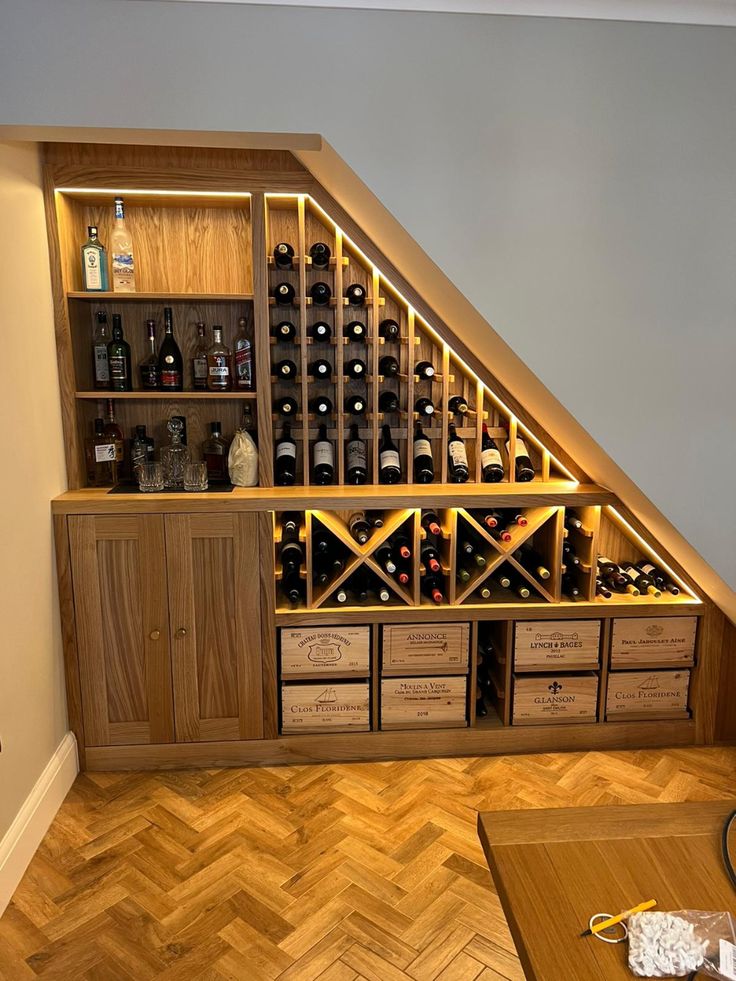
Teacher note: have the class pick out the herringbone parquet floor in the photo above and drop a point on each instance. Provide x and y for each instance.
(337, 873)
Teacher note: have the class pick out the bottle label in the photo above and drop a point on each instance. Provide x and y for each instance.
(199, 368)
(422, 447)
(490, 458)
(119, 450)
(219, 371)
(521, 449)
(356, 454)
(323, 453)
(458, 455)
(390, 458)
(286, 449)
(102, 369)
(123, 271)
(92, 268)
(149, 375)
(170, 378)
(244, 364)
(118, 367)
(105, 453)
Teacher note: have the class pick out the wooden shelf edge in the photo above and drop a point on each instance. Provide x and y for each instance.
(109, 296)
(159, 396)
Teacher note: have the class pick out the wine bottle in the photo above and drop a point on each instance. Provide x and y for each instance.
(354, 331)
(432, 587)
(401, 546)
(285, 370)
(384, 556)
(488, 518)
(375, 518)
(321, 294)
(524, 469)
(320, 405)
(383, 593)
(490, 459)
(429, 555)
(284, 331)
(480, 706)
(601, 589)
(644, 583)
(285, 458)
(356, 454)
(291, 522)
(284, 294)
(355, 295)
(424, 407)
(503, 580)
(320, 332)
(283, 256)
(458, 458)
(323, 470)
(118, 358)
(457, 405)
(464, 575)
(320, 368)
(341, 596)
(388, 402)
(388, 366)
(355, 405)
(321, 542)
(286, 406)
(389, 461)
(359, 585)
(572, 521)
(291, 584)
(513, 517)
(358, 526)
(570, 588)
(520, 587)
(569, 557)
(659, 576)
(422, 455)
(533, 562)
(483, 592)
(389, 330)
(610, 573)
(320, 254)
(424, 370)
(403, 575)
(291, 549)
(471, 553)
(355, 368)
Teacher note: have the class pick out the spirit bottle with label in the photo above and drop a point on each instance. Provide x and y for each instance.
(199, 360)
(149, 365)
(99, 452)
(121, 250)
(118, 358)
(170, 361)
(243, 358)
(100, 367)
(214, 453)
(94, 263)
(114, 432)
(219, 373)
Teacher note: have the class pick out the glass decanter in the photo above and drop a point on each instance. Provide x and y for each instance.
(174, 456)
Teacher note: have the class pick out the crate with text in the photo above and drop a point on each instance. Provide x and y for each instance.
(432, 702)
(633, 695)
(550, 699)
(338, 706)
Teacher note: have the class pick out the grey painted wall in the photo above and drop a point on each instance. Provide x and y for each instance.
(577, 180)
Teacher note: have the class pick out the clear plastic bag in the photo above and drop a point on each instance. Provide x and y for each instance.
(242, 460)
(673, 945)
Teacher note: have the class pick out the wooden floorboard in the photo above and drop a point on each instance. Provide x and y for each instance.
(304, 873)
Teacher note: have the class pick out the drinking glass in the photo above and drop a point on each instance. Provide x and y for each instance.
(195, 477)
(151, 477)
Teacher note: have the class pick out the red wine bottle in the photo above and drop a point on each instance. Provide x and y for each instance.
(524, 469)
(432, 587)
(355, 295)
(490, 459)
(424, 370)
(424, 407)
(358, 525)
(388, 402)
(384, 556)
(430, 557)
(422, 455)
(283, 255)
(389, 461)
(284, 294)
(389, 330)
(320, 293)
(320, 254)
(401, 546)
(356, 454)
(431, 523)
(285, 462)
(458, 458)
(323, 457)
(571, 589)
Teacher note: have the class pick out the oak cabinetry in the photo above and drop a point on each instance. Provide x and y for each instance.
(168, 639)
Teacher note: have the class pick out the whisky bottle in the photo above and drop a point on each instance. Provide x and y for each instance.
(389, 461)
(148, 366)
(118, 358)
(285, 458)
(99, 453)
(199, 360)
(138, 451)
(283, 331)
(458, 458)
(121, 250)
(490, 459)
(243, 358)
(219, 364)
(214, 454)
(283, 255)
(320, 254)
(115, 433)
(422, 456)
(170, 364)
(323, 470)
(94, 263)
(284, 294)
(320, 332)
(100, 366)
(356, 458)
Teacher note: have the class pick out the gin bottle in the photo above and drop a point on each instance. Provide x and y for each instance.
(94, 263)
(174, 456)
(121, 247)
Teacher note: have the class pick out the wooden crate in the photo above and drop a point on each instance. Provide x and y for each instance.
(653, 640)
(647, 695)
(558, 644)
(425, 646)
(312, 651)
(554, 698)
(338, 707)
(419, 703)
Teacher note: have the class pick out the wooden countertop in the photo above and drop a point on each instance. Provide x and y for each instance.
(100, 501)
(555, 868)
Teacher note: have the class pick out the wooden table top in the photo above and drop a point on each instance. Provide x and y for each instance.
(555, 868)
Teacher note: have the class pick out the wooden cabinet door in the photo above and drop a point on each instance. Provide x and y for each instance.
(215, 623)
(120, 600)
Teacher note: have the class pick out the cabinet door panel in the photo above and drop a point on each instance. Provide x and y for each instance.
(119, 575)
(215, 625)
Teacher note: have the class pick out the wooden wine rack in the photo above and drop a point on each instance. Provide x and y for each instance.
(198, 574)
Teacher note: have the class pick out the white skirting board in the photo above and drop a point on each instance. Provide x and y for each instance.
(32, 821)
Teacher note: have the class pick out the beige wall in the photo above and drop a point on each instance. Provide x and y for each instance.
(32, 704)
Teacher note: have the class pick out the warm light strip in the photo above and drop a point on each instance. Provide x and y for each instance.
(158, 193)
(633, 533)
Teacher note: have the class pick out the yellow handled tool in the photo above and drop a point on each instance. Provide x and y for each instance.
(613, 920)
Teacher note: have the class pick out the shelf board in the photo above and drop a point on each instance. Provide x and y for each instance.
(110, 297)
(168, 396)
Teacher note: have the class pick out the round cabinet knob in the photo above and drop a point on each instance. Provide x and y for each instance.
(155, 634)
(181, 632)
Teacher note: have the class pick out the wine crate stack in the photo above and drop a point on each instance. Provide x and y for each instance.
(421, 568)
